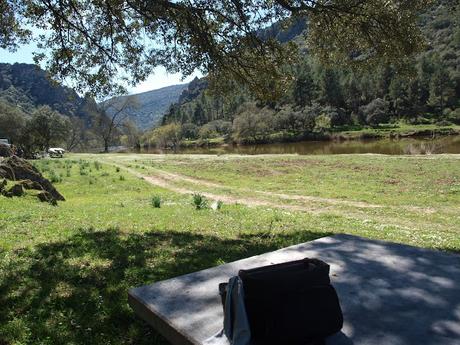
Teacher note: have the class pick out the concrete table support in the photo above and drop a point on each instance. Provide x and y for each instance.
(390, 294)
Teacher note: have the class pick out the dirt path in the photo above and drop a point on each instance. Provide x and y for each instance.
(331, 201)
(164, 183)
(180, 178)
(167, 179)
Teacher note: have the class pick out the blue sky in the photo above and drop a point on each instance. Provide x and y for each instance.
(157, 80)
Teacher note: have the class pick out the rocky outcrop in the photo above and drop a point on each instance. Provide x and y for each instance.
(28, 184)
(46, 197)
(2, 185)
(28, 177)
(15, 190)
(5, 150)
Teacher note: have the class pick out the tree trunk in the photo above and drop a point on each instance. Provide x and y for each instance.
(106, 146)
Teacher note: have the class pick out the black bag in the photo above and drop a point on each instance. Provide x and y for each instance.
(292, 303)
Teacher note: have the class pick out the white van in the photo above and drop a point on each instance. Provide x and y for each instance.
(5, 141)
(56, 152)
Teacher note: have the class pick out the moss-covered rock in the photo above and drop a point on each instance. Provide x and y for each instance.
(18, 169)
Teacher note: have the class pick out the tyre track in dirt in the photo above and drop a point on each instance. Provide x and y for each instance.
(179, 178)
(164, 183)
(166, 179)
(331, 201)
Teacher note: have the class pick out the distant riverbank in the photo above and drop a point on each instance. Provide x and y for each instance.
(400, 145)
(396, 131)
(386, 139)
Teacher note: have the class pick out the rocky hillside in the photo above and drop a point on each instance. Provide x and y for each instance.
(150, 106)
(27, 87)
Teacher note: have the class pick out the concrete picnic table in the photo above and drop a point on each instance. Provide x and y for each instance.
(391, 294)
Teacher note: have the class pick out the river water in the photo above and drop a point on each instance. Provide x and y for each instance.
(409, 146)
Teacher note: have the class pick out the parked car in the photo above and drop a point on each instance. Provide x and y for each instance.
(56, 152)
(5, 141)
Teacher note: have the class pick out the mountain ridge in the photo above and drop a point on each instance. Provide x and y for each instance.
(150, 106)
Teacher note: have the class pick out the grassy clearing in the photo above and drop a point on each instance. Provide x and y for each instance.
(420, 195)
(65, 271)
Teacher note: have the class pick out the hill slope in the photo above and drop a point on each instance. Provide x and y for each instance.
(321, 98)
(27, 87)
(150, 106)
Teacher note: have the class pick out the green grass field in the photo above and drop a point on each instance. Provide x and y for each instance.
(65, 270)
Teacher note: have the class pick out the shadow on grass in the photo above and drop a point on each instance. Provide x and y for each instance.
(75, 291)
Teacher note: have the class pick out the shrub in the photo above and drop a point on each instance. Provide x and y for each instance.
(199, 201)
(207, 132)
(419, 120)
(338, 116)
(253, 124)
(215, 128)
(376, 112)
(293, 120)
(167, 136)
(443, 123)
(454, 116)
(189, 131)
(156, 201)
(216, 206)
(322, 123)
(54, 178)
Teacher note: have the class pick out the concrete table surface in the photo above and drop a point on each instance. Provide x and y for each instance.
(390, 294)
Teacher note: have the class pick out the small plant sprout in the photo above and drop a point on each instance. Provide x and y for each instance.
(199, 201)
(122, 178)
(54, 178)
(217, 205)
(156, 201)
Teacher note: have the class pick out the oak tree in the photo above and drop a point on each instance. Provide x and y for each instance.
(100, 43)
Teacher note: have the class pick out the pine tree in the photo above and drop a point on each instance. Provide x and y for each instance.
(303, 90)
(329, 91)
(397, 95)
(441, 88)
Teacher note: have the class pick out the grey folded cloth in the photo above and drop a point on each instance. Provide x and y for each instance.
(236, 325)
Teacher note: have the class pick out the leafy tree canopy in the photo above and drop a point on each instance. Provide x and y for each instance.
(98, 42)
